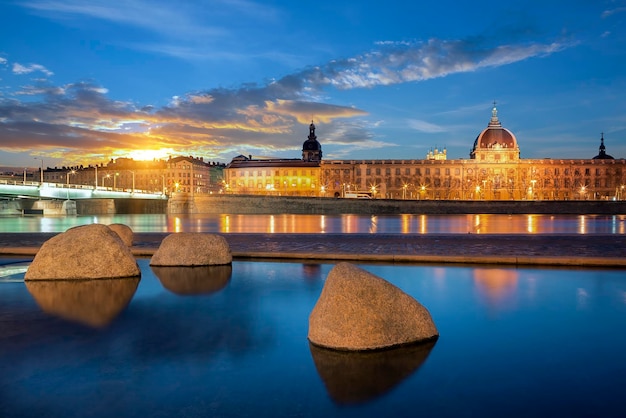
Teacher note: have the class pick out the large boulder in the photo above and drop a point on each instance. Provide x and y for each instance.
(358, 310)
(192, 249)
(125, 232)
(84, 252)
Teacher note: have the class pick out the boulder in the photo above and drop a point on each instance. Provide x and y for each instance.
(358, 310)
(84, 252)
(192, 249)
(125, 233)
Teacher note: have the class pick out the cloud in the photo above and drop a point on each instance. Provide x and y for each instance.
(22, 69)
(423, 126)
(397, 63)
(3, 61)
(611, 12)
(78, 119)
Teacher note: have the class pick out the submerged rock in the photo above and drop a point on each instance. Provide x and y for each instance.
(84, 252)
(192, 249)
(358, 310)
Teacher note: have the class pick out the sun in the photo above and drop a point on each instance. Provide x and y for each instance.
(150, 154)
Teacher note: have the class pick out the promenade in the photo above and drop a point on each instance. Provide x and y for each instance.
(519, 249)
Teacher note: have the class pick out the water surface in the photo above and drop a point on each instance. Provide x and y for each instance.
(346, 224)
(515, 342)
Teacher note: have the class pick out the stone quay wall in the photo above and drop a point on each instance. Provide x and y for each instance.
(240, 204)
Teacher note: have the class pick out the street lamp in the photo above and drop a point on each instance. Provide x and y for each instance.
(68, 182)
(108, 176)
(41, 172)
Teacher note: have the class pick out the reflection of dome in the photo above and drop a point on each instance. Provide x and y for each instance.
(495, 140)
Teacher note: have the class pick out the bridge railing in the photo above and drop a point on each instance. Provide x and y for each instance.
(19, 182)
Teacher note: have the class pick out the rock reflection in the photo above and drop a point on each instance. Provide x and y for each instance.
(356, 377)
(195, 280)
(90, 302)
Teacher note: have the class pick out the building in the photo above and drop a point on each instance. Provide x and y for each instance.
(278, 176)
(494, 171)
(178, 174)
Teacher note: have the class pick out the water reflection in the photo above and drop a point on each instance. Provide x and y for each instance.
(193, 280)
(495, 284)
(345, 223)
(90, 302)
(358, 377)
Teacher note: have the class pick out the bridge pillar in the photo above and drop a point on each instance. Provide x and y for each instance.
(69, 207)
(181, 203)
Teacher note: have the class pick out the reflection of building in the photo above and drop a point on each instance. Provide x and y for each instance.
(494, 171)
(178, 174)
(495, 284)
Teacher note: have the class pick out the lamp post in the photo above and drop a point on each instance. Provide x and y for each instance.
(68, 182)
(41, 172)
(67, 178)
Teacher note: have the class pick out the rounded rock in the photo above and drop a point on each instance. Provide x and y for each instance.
(83, 252)
(125, 233)
(358, 310)
(192, 249)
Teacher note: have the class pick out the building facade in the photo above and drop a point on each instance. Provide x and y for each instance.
(494, 171)
(178, 174)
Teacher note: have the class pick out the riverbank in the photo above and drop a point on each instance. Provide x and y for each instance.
(512, 250)
(181, 203)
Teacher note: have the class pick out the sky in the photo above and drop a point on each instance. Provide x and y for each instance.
(84, 82)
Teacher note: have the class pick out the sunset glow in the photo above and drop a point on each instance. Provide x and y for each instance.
(149, 79)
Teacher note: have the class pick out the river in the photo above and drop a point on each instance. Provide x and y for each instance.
(333, 224)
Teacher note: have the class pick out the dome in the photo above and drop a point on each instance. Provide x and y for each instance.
(495, 142)
(495, 136)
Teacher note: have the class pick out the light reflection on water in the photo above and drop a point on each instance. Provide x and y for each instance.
(346, 224)
(514, 342)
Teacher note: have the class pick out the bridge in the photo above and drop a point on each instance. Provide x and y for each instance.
(37, 190)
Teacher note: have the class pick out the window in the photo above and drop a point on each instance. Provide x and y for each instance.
(397, 171)
(407, 171)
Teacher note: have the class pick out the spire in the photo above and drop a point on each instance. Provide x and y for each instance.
(602, 155)
(602, 147)
(494, 122)
(312, 131)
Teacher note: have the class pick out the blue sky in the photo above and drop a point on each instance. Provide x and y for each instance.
(82, 82)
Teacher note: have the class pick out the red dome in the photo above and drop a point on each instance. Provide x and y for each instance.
(495, 136)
